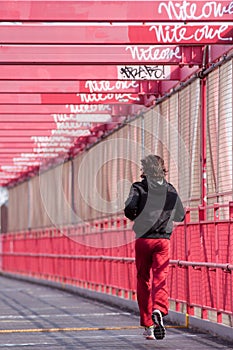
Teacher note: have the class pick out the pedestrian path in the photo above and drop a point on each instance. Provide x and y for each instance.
(36, 317)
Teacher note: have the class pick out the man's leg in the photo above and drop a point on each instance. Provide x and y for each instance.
(143, 265)
(160, 267)
(159, 286)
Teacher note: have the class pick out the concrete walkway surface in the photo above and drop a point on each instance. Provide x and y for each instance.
(38, 317)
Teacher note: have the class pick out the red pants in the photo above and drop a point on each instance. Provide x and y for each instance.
(152, 254)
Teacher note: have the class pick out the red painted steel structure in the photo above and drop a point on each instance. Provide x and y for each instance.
(52, 48)
(144, 49)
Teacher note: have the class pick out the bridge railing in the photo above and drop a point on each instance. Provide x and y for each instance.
(99, 255)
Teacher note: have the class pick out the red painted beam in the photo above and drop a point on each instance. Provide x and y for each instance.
(66, 10)
(31, 148)
(154, 34)
(21, 147)
(27, 126)
(15, 139)
(93, 72)
(9, 163)
(122, 98)
(44, 125)
(9, 158)
(18, 146)
(56, 117)
(24, 150)
(88, 86)
(25, 118)
(43, 132)
(101, 54)
(24, 132)
(55, 108)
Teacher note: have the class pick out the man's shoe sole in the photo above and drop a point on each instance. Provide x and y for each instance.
(159, 330)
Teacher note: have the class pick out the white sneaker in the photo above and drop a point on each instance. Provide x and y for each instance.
(159, 329)
(149, 333)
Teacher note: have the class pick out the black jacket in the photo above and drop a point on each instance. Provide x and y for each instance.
(153, 207)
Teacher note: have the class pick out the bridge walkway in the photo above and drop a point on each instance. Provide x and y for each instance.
(38, 317)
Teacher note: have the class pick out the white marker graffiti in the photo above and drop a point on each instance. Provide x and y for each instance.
(44, 155)
(188, 10)
(82, 118)
(49, 149)
(177, 33)
(54, 144)
(72, 133)
(144, 72)
(50, 139)
(105, 85)
(90, 98)
(154, 53)
(88, 108)
(72, 125)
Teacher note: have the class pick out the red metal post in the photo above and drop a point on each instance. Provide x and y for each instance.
(218, 281)
(203, 146)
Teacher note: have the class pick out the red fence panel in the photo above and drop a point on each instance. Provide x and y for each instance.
(207, 268)
(99, 255)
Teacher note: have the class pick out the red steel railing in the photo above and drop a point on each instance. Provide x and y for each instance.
(99, 255)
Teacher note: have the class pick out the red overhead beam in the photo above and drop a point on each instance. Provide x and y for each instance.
(101, 54)
(43, 132)
(55, 108)
(13, 139)
(56, 117)
(41, 126)
(36, 140)
(24, 132)
(10, 145)
(25, 150)
(25, 118)
(31, 156)
(154, 34)
(31, 145)
(32, 99)
(9, 162)
(84, 112)
(93, 72)
(85, 10)
(27, 126)
(84, 86)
